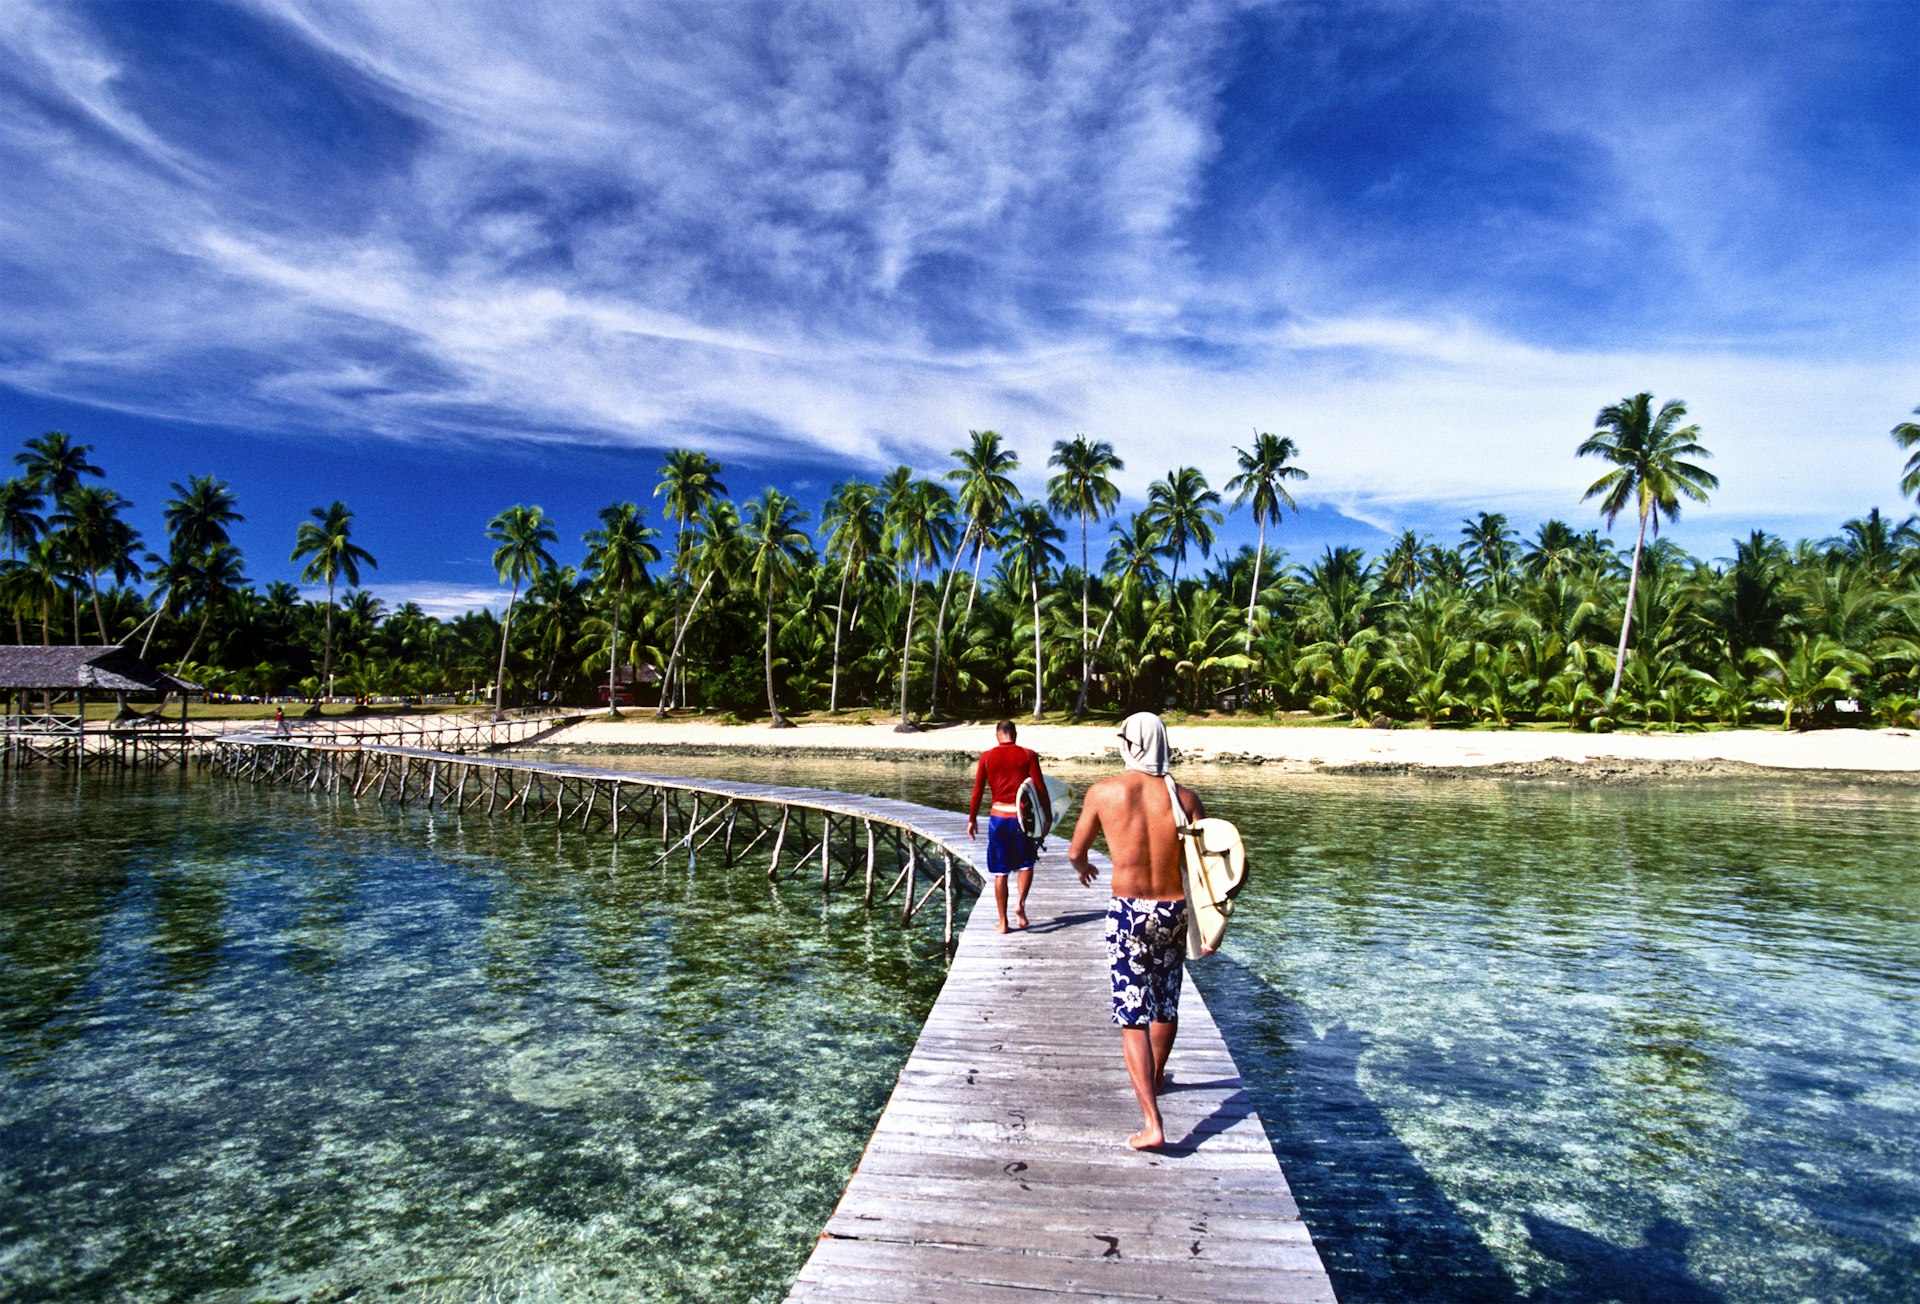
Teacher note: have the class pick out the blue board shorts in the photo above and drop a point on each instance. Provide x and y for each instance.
(1147, 950)
(1008, 847)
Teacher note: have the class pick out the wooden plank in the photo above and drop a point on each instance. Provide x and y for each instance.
(998, 1169)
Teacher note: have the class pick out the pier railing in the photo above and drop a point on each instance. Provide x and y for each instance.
(449, 733)
(159, 742)
(890, 849)
(40, 724)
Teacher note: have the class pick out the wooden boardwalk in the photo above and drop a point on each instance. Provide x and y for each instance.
(999, 1169)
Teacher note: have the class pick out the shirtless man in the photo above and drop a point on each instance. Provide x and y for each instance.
(1002, 769)
(1147, 917)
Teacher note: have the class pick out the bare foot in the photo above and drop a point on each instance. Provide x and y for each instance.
(1019, 919)
(1147, 1139)
(1000, 927)
(1166, 1076)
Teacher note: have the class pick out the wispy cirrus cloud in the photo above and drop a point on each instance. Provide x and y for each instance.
(847, 234)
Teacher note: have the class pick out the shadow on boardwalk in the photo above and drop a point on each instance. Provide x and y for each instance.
(1385, 1228)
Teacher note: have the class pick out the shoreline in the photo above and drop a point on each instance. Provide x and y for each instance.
(1879, 756)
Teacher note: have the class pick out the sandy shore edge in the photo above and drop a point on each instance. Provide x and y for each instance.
(1881, 756)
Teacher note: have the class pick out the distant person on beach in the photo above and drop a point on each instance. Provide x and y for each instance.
(280, 726)
(1002, 769)
(1147, 916)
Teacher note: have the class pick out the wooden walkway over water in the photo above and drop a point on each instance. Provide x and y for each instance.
(999, 1168)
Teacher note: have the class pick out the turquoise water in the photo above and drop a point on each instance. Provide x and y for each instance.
(1512, 1042)
(259, 1047)
(1540, 1042)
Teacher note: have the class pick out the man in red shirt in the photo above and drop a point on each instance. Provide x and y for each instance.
(1001, 771)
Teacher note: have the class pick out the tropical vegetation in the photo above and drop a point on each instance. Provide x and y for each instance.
(950, 592)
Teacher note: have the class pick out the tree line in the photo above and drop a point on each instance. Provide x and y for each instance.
(952, 594)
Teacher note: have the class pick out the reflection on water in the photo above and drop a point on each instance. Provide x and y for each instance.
(261, 1047)
(1559, 1043)
(1513, 1042)
(1540, 1042)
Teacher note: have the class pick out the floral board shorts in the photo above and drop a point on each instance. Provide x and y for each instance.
(1147, 950)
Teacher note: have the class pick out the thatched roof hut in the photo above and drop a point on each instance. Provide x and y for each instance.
(97, 669)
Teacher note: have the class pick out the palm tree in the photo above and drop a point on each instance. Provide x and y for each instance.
(1084, 488)
(1489, 547)
(33, 582)
(1646, 452)
(557, 609)
(776, 546)
(20, 519)
(328, 540)
(689, 481)
(96, 539)
(1907, 435)
(920, 529)
(199, 513)
(1030, 536)
(217, 572)
(718, 552)
(618, 554)
(1405, 564)
(20, 525)
(986, 488)
(852, 522)
(55, 464)
(1817, 669)
(197, 517)
(1264, 472)
(1553, 552)
(522, 534)
(1133, 562)
(1182, 506)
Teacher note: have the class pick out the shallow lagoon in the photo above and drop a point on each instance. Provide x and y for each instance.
(260, 1047)
(1532, 1041)
(1513, 1042)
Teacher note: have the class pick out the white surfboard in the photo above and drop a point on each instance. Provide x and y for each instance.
(1034, 821)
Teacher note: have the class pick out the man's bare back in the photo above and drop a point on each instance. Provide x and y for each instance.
(1131, 811)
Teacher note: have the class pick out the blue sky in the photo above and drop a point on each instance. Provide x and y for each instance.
(434, 260)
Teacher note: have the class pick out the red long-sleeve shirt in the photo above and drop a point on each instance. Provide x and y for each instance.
(1002, 769)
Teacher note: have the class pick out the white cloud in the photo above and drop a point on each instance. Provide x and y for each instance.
(439, 600)
(848, 238)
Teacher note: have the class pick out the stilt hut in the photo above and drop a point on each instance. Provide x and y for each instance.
(70, 674)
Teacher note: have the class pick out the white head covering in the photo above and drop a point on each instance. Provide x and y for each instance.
(1143, 743)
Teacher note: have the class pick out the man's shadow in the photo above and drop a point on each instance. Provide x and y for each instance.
(1385, 1228)
(1059, 922)
(1654, 1273)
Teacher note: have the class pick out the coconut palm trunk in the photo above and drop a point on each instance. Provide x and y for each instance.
(940, 625)
(152, 623)
(1626, 617)
(506, 628)
(906, 645)
(673, 657)
(979, 551)
(668, 690)
(1038, 693)
(1086, 654)
(613, 656)
(839, 613)
(326, 648)
(99, 620)
(1253, 599)
(206, 614)
(773, 710)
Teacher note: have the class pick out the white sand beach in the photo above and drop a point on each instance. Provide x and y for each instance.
(1878, 751)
